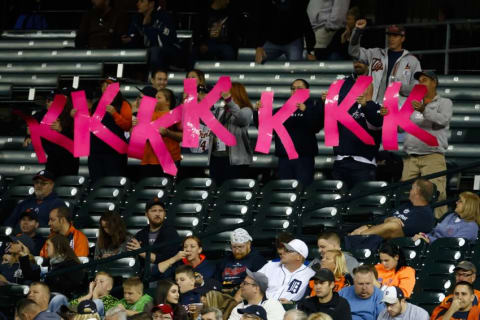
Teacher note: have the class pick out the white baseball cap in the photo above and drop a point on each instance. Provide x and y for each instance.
(298, 246)
(392, 295)
(240, 236)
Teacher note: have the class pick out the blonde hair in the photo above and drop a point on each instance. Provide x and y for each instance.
(340, 263)
(93, 316)
(471, 206)
(319, 316)
(133, 282)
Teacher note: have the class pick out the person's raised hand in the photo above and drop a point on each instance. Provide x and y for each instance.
(361, 24)
(383, 111)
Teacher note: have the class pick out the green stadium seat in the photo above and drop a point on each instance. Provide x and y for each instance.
(316, 67)
(5, 91)
(124, 267)
(10, 294)
(113, 181)
(39, 34)
(134, 56)
(459, 93)
(12, 170)
(187, 217)
(318, 220)
(58, 68)
(458, 81)
(194, 160)
(324, 186)
(24, 81)
(36, 44)
(427, 300)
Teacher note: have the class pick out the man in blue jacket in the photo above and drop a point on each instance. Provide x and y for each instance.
(41, 202)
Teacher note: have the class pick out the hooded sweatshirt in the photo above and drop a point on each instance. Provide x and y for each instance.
(337, 308)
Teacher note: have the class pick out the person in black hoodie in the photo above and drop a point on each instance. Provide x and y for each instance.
(154, 28)
(355, 160)
(325, 300)
(302, 126)
(216, 35)
(283, 25)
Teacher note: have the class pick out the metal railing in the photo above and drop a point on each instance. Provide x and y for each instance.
(448, 38)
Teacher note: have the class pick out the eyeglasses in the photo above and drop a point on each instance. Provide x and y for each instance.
(245, 283)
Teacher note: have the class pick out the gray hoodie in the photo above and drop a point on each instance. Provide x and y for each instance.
(45, 315)
(330, 14)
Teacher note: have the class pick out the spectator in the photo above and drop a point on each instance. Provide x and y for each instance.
(185, 279)
(462, 223)
(294, 314)
(386, 66)
(254, 312)
(159, 79)
(191, 254)
(61, 223)
(465, 271)
(60, 162)
(280, 239)
(253, 290)
(397, 307)
(288, 278)
(162, 312)
(168, 293)
(105, 161)
(409, 219)
(325, 298)
(216, 35)
(202, 89)
(302, 126)
(87, 310)
(153, 28)
(28, 309)
(334, 261)
(22, 266)
(319, 316)
(464, 304)
(393, 270)
(28, 226)
(211, 313)
(283, 26)
(327, 17)
(116, 313)
(41, 202)
(232, 269)
(355, 161)
(364, 298)
(102, 27)
(171, 136)
(157, 232)
(433, 115)
(148, 91)
(331, 241)
(112, 236)
(134, 300)
(99, 293)
(338, 47)
(61, 256)
(237, 115)
(40, 293)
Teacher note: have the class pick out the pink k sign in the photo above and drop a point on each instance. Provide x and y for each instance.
(401, 117)
(84, 123)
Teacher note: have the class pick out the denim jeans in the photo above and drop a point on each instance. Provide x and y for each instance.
(293, 50)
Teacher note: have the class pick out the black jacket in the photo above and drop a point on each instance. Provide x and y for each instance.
(166, 234)
(337, 308)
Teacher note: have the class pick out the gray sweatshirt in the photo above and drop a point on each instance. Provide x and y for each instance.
(330, 14)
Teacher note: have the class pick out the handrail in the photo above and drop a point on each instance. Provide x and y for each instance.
(424, 24)
(202, 235)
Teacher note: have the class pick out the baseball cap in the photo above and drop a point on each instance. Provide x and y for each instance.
(324, 275)
(240, 236)
(429, 74)
(44, 175)
(259, 311)
(164, 308)
(87, 307)
(466, 265)
(110, 79)
(298, 246)
(148, 91)
(154, 202)
(29, 213)
(392, 295)
(394, 29)
(260, 278)
(26, 240)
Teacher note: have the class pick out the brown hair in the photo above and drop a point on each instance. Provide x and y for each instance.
(197, 240)
(330, 236)
(169, 95)
(200, 74)
(62, 247)
(188, 270)
(118, 229)
(425, 188)
(64, 212)
(471, 206)
(105, 274)
(240, 96)
(133, 282)
(41, 284)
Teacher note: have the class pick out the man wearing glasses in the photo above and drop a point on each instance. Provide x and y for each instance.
(252, 290)
(464, 271)
(42, 201)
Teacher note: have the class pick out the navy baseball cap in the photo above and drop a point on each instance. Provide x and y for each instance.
(154, 202)
(429, 74)
(394, 29)
(44, 175)
(148, 91)
(87, 307)
(324, 275)
(26, 240)
(29, 213)
(258, 311)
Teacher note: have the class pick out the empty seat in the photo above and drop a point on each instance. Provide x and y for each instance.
(187, 218)
(39, 34)
(24, 81)
(276, 66)
(124, 267)
(193, 190)
(427, 300)
(324, 186)
(5, 91)
(36, 44)
(458, 81)
(318, 220)
(58, 68)
(69, 55)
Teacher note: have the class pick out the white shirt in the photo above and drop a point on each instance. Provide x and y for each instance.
(274, 309)
(285, 284)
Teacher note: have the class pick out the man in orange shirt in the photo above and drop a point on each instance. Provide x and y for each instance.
(60, 222)
(464, 271)
(464, 304)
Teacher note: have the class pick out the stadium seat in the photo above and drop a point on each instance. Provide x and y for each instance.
(153, 183)
(114, 181)
(39, 34)
(88, 216)
(69, 194)
(458, 81)
(57, 68)
(36, 44)
(5, 91)
(71, 181)
(427, 300)
(124, 267)
(276, 66)
(10, 294)
(324, 186)
(25, 81)
(137, 221)
(187, 218)
(318, 220)
(194, 160)
(447, 250)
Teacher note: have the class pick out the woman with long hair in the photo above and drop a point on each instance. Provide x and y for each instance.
(190, 254)
(334, 260)
(462, 223)
(236, 115)
(112, 236)
(168, 293)
(393, 270)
